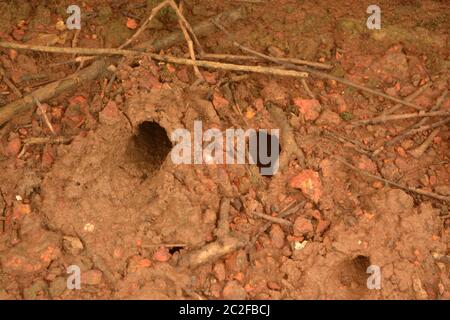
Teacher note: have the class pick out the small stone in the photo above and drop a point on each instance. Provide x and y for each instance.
(234, 291)
(13, 147)
(302, 226)
(328, 118)
(162, 255)
(91, 277)
(277, 236)
(57, 287)
(89, 227)
(131, 24)
(60, 25)
(237, 204)
(297, 245)
(401, 152)
(72, 245)
(322, 226)
(310, 108)
(219, 101)
(110, 113)
(137, 263)
(308, 181)
(209, 216)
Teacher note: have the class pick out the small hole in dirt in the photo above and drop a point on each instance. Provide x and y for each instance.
(354, 272)
(175, 249)
(149, 148)
(266, 141)
(361, 263)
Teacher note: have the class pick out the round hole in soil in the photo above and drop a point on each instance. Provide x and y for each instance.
(353, 272)
(149, 148)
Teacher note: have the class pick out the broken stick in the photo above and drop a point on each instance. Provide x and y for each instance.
(314, 72)
(392, 183)
(98, 68)
(163, 58)
(223, 245)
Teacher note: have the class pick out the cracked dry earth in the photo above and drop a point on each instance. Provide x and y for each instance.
(112, 202)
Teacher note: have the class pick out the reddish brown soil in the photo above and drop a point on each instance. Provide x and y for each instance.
(112, 202)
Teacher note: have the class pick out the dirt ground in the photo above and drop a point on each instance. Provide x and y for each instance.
(106, 196)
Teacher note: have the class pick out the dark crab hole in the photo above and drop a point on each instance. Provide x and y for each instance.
(149, 147)
(354, 272)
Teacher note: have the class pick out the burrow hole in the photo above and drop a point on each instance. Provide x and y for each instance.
(353, 273)
(149, 148)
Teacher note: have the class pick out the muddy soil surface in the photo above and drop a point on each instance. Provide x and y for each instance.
(110, 200)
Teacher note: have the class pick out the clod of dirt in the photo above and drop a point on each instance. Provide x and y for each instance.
(310, 108)
(303, 227)
(308, 181)
(72, 245)
(92, 277)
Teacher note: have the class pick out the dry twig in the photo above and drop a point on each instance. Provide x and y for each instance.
(99, 67)
(409, 98)
(154, 12)
(164, 58)
(187, 37)
(315, 72)
(420, 150)
(232, 57)
(383, 118)
(223, 245)
(44, 115)
(417, 127)
(9, 83)
(277, 220)
(389, 182)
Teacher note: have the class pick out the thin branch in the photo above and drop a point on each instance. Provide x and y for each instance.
(164, 58)
(186, 24)
(9, 83)
(44, 115)
(415, 128)
(188, 39)
(389, 182)
(233, 57)
(153, 13)
(420, 150)
(315, 72)
(409, 98)
(277, 220)
(383, 118)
